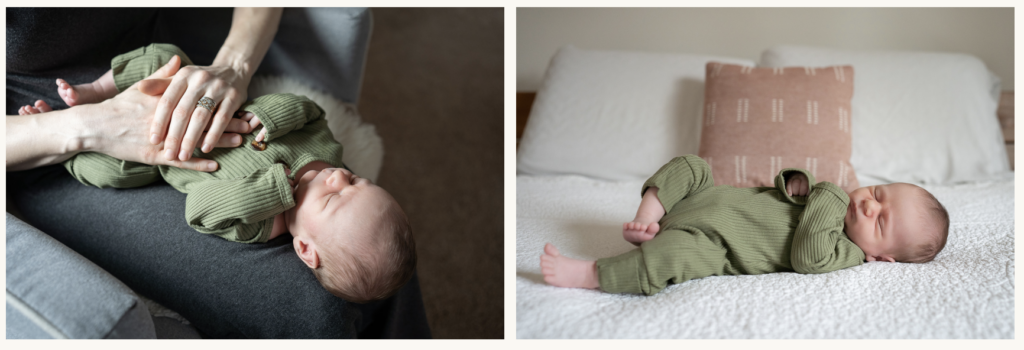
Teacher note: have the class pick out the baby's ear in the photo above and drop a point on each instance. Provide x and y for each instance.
(306, 251)
(870, 258)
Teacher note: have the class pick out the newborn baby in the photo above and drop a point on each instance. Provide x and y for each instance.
(351, 233)
(688, 228)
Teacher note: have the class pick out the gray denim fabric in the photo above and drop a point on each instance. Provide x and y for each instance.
(52, 292)
(225, 289)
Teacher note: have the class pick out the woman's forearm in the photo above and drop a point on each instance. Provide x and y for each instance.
(252, 31)
(43, 139)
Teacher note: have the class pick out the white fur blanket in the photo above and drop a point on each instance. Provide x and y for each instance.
(966, 292)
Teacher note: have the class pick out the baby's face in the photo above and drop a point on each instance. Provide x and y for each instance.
(333, 198)
(881, 220)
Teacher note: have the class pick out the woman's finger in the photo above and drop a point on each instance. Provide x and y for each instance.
(154, 87)
(181, 120)
(168, 70)
(227, 140)
(167, 101)
(163, 117)
(193, 134)
(198, 164)
(235, 125)
(201, 119)
(219, 123)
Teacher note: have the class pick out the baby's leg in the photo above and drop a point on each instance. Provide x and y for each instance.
(645, 225)
(560, 271)
(97, 91)
(39, 107)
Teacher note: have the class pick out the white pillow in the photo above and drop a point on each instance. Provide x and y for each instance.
(615, 115)
(918, 117)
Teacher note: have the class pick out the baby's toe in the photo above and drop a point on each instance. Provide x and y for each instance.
(42, 106)
(550, 249)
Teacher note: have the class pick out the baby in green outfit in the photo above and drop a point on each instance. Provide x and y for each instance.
(688, 228)
(350, 232)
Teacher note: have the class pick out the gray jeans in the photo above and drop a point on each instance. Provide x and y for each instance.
(226, 289)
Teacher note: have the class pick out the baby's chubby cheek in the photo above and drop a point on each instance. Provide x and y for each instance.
(308, 176)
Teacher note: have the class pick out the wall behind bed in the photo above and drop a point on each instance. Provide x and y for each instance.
(744, 32)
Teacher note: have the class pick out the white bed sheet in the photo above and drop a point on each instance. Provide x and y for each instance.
(966, 292)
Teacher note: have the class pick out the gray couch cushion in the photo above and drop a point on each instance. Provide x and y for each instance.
(53, 292)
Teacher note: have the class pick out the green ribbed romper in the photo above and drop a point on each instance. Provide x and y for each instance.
(237, 202)
(713, 230)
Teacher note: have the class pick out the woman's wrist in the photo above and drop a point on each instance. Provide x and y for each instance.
(241, 62)
(44, 139)
(252, 31)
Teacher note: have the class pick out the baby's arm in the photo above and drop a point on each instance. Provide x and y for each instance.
(819, 244)
(645, 225)
(279, 114)
(237, 209)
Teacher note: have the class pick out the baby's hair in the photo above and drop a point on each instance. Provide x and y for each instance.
(938, 219)
(360, 272)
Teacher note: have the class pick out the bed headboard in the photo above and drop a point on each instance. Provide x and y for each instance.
(524, 101)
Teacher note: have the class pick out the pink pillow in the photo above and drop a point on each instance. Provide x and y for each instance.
(758, 121)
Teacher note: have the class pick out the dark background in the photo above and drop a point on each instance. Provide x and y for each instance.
(433, 88)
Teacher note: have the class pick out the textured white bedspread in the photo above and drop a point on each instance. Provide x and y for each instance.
(966, 292)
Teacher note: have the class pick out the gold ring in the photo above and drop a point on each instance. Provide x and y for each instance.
(207, 103)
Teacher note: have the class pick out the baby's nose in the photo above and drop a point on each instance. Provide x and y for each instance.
(337, 179)
(871, 208)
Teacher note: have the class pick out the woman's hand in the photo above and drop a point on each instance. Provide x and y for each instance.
(225, 81)
(178, 112)
(125, 118)
(118, 127)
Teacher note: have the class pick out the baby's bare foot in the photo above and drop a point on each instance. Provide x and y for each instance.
(79, 94)
(40, 107)
(560, 271)
(637, 232)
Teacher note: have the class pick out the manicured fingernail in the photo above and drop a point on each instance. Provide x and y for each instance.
(169, 154)
(211, 166)
(206, 148)
(183, 155)
(154, 139)
(236, 139)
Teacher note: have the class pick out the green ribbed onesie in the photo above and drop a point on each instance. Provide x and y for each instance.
(237, 202)
(713, 230)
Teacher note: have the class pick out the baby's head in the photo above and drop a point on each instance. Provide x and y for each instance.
(897, 222)
(352, 234)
